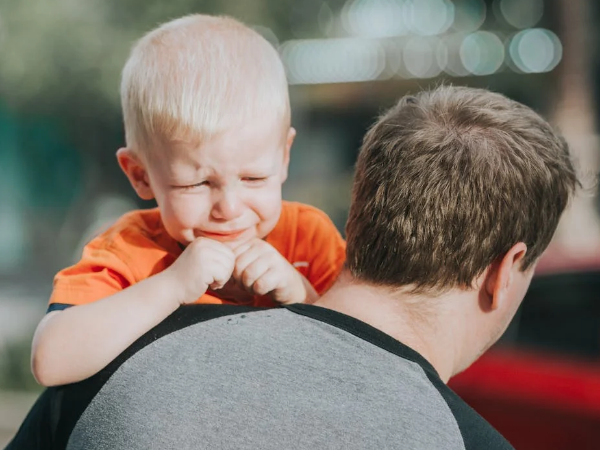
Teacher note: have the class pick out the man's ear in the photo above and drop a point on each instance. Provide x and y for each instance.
(134, 169)
(501, 275)
(286, 156)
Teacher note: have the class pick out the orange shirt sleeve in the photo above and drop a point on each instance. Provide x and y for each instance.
(309, 240)
(100, 273)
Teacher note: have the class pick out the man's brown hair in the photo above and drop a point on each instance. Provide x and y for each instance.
(447, 181)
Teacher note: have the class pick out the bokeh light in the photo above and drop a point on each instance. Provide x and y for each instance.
(389, 18)
(469, 15)
(535, 50)
(454, 65)
(375, 18)
(442, 54)
(482, 53)
(325, 19)
(521, 13)
(332, 60)
(430, 17)
(420, 59)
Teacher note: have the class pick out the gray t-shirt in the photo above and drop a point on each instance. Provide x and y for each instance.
(301, 377)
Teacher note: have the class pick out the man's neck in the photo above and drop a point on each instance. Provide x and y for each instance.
(404, 317)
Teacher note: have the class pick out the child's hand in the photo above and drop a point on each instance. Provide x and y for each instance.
(204, 264)
(262, 270)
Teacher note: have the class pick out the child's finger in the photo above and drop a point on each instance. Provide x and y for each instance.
(239, 249)
(245, 259)
(218, 282)
(221, 271)
(222, 249)
(254, 271)
(266, 283)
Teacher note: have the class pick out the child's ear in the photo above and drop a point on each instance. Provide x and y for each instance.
(286, 156)
(134, 169)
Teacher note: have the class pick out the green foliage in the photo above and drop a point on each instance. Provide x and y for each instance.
(15, 371)
(55, 53)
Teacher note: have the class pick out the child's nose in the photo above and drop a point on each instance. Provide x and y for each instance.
(227, 206)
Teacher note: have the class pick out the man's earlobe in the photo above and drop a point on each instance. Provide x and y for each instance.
(136, 173)
(501, 274)
(491, 280)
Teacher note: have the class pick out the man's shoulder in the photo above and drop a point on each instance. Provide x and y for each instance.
(476, 432)
(454, 422)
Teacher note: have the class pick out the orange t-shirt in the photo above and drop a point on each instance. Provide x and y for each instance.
(137, 246)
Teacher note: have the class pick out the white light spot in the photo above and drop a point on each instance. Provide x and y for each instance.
(441, 54)
(420, 59)
(430, 17)
(522, 13)
(482, 53)
(535, 50)
(469, 15)
(325, 19)
(317, 61)
(454, 65)
(375, 18)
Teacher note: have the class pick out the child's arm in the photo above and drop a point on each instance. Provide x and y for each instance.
(74, 344)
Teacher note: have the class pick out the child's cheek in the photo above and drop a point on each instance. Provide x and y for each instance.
(189, 211)
(266, 203)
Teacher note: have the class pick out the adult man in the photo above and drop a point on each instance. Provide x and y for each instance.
(457, 193)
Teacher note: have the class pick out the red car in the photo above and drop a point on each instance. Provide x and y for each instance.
(540, 385)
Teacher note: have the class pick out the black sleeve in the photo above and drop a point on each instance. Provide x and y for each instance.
(57, 307)
(37, 430)
(477, 433)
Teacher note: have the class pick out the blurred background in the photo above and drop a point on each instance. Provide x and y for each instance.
(347, 60)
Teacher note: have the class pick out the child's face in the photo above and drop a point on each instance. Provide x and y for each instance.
(227, 189)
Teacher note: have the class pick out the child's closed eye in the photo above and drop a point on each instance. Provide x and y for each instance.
(254, 180)
(192, 186)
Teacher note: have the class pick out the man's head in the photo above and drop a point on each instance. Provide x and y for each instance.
(458, 188)
(207, 124)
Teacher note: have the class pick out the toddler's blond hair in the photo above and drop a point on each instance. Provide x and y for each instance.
(196, 76)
